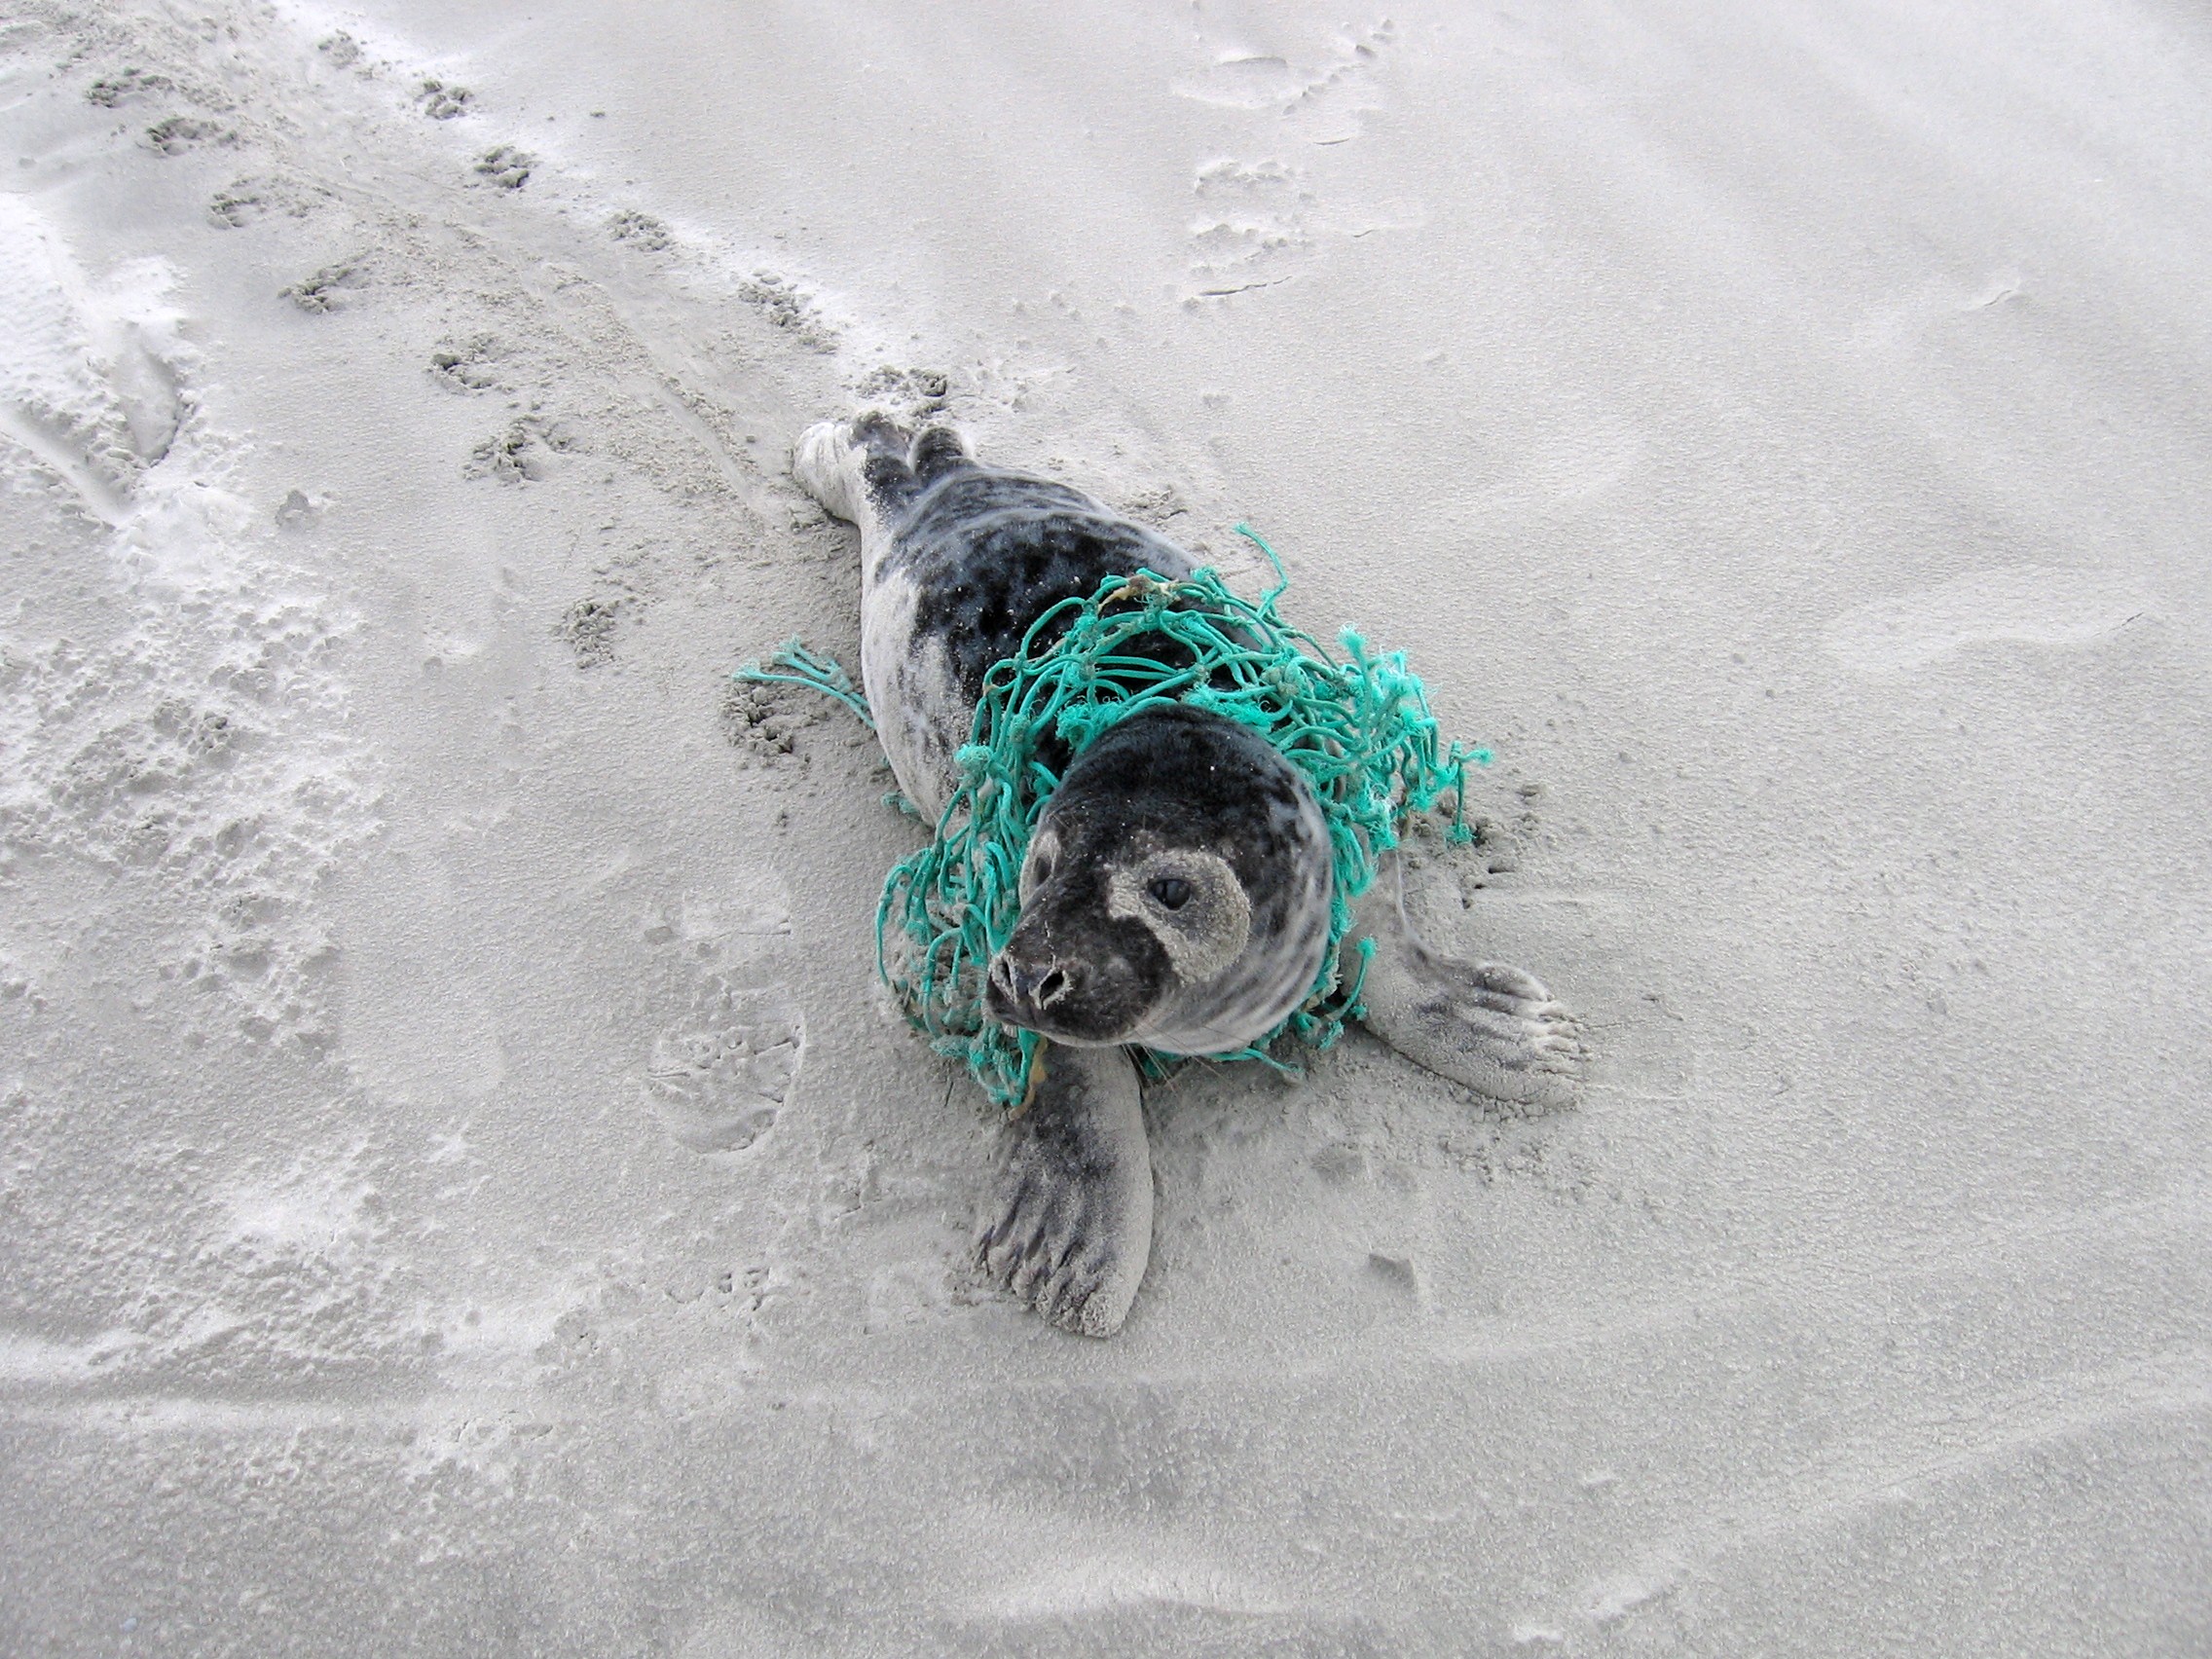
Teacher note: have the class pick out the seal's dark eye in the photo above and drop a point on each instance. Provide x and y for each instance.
(1172, 891)
(1041, 867)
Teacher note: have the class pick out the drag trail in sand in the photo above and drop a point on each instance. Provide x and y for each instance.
(461, 1186)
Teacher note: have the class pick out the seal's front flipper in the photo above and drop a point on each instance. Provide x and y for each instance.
(1067, 1226)
(1491, 1027)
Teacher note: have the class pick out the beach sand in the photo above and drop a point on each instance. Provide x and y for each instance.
(462, 1187)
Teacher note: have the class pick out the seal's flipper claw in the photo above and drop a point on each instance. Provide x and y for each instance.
(1448, 1017)
(1484, 1024)
(1067, 1225)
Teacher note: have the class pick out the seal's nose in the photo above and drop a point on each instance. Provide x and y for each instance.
(1026, 984)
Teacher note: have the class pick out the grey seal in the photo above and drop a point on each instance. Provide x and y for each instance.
(1176, 891)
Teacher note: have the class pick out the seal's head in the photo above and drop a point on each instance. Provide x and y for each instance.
(1175, 893)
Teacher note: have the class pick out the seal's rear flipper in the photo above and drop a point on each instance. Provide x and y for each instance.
(1494, 1028)
(1067, 1225)
(940, 452)
(859, 470)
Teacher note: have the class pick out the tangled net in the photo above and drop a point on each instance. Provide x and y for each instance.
(1359, 728)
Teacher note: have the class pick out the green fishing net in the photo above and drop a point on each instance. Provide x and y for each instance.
(1358, 726)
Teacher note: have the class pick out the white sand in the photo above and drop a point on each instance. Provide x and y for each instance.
(460, 1188)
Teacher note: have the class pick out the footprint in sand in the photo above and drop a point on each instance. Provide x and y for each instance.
(1249, 230)
(790, 307)
(2034, 604)
(180, 133)
(720, 1073)
(91, 386)
(249, 201)
(640, 231)
(505, 166)
(523, 453)
(1324, 103)
(325, 290)
(1257, 224)
(465, 366)
(443, 102)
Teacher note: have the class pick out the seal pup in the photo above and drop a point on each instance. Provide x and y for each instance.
(1176, 891)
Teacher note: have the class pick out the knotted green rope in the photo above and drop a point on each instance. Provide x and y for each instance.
(795, 665)
(1359, 728)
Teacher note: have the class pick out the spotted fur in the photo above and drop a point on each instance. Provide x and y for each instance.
(959, 561)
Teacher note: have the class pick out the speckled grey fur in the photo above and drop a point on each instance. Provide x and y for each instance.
(1176, 894)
